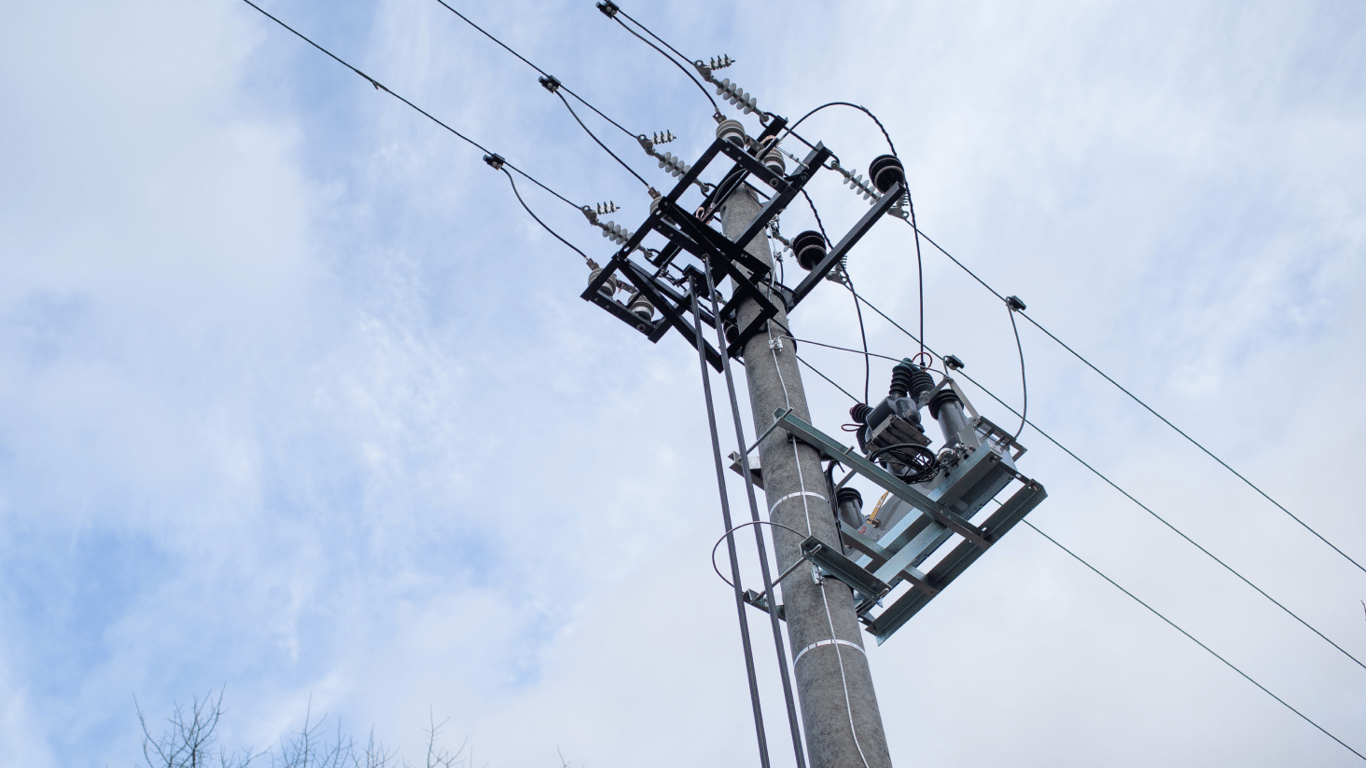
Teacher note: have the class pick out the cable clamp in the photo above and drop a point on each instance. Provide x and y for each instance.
(495, 161)
(1015, 304)
(608, 8)
(953, 363)
(549, 83)
(775, 344)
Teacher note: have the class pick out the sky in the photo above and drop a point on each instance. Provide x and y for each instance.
(297, 403)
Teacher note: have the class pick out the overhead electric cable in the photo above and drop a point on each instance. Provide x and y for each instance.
(1131, 497)
(1024, 383)
(1192, 441)
(1192, 638)
(611, 10)
(594, 137)
(1148, 408)
(531, 64)
(544, 226)
(380, 87)
(816, 371)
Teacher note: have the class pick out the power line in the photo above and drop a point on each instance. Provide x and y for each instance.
(1193, 441)
(1140, 504)
(594, 137)
(545, 226)
(611, 10)
(380, 87)
(531, 64)
(1147, 407)
(1192, 638)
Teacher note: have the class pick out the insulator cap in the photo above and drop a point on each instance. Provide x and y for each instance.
(608, 287)
(886, 170)
(732, 131)
(809, 248)
(775, 162)
(642, 309)
(847, 494)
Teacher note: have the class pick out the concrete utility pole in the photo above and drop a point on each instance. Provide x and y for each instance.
(834, 683)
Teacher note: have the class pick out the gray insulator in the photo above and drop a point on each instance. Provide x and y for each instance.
(615, 232)
(608, 287)
(732, 131)
(774, 161)
(672, 164)
(735, 95)
(642, 309)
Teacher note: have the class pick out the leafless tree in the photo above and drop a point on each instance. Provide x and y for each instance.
(191, 741)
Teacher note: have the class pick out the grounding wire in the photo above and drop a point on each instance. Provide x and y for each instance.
(671, 59)
(1140, 504)
(778, 645)
(529, 63)
(1192, 440)
(598, 141)
(380, 87)
(544, 226)
(1192, 638)
(730, 541)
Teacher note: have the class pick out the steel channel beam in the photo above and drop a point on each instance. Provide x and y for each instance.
(860, 229)
(957, 561)
(944, 516)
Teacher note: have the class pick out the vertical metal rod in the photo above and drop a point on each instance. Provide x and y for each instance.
(758, 529)
(730, 539)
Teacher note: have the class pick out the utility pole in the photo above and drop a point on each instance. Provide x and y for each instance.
(834, 682)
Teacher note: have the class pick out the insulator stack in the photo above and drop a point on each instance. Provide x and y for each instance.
(672, 164)
(615, 232)
(736, 95)
(856, 182)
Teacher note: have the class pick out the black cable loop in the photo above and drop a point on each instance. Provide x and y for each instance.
(598, 141)
(671, 59)
(538, 218)
(1138, 503)
(1191, 637)
(726, 519)
(531, 64)
(1024, 384)
(380, 87)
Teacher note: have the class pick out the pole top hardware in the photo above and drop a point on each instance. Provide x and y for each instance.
(495, 161)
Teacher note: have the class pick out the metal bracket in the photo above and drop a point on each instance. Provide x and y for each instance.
(894, 558)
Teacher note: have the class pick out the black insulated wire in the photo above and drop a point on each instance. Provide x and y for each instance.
(544, 226)
(831, 381)
(1192, 638)
(1024, 383)
(789, 698)
(598, 141)
(1193, 441)
(715, 109)
(1136, 502)
(1147, 407)
(380, 87)
(532, 64)
(730, 540)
